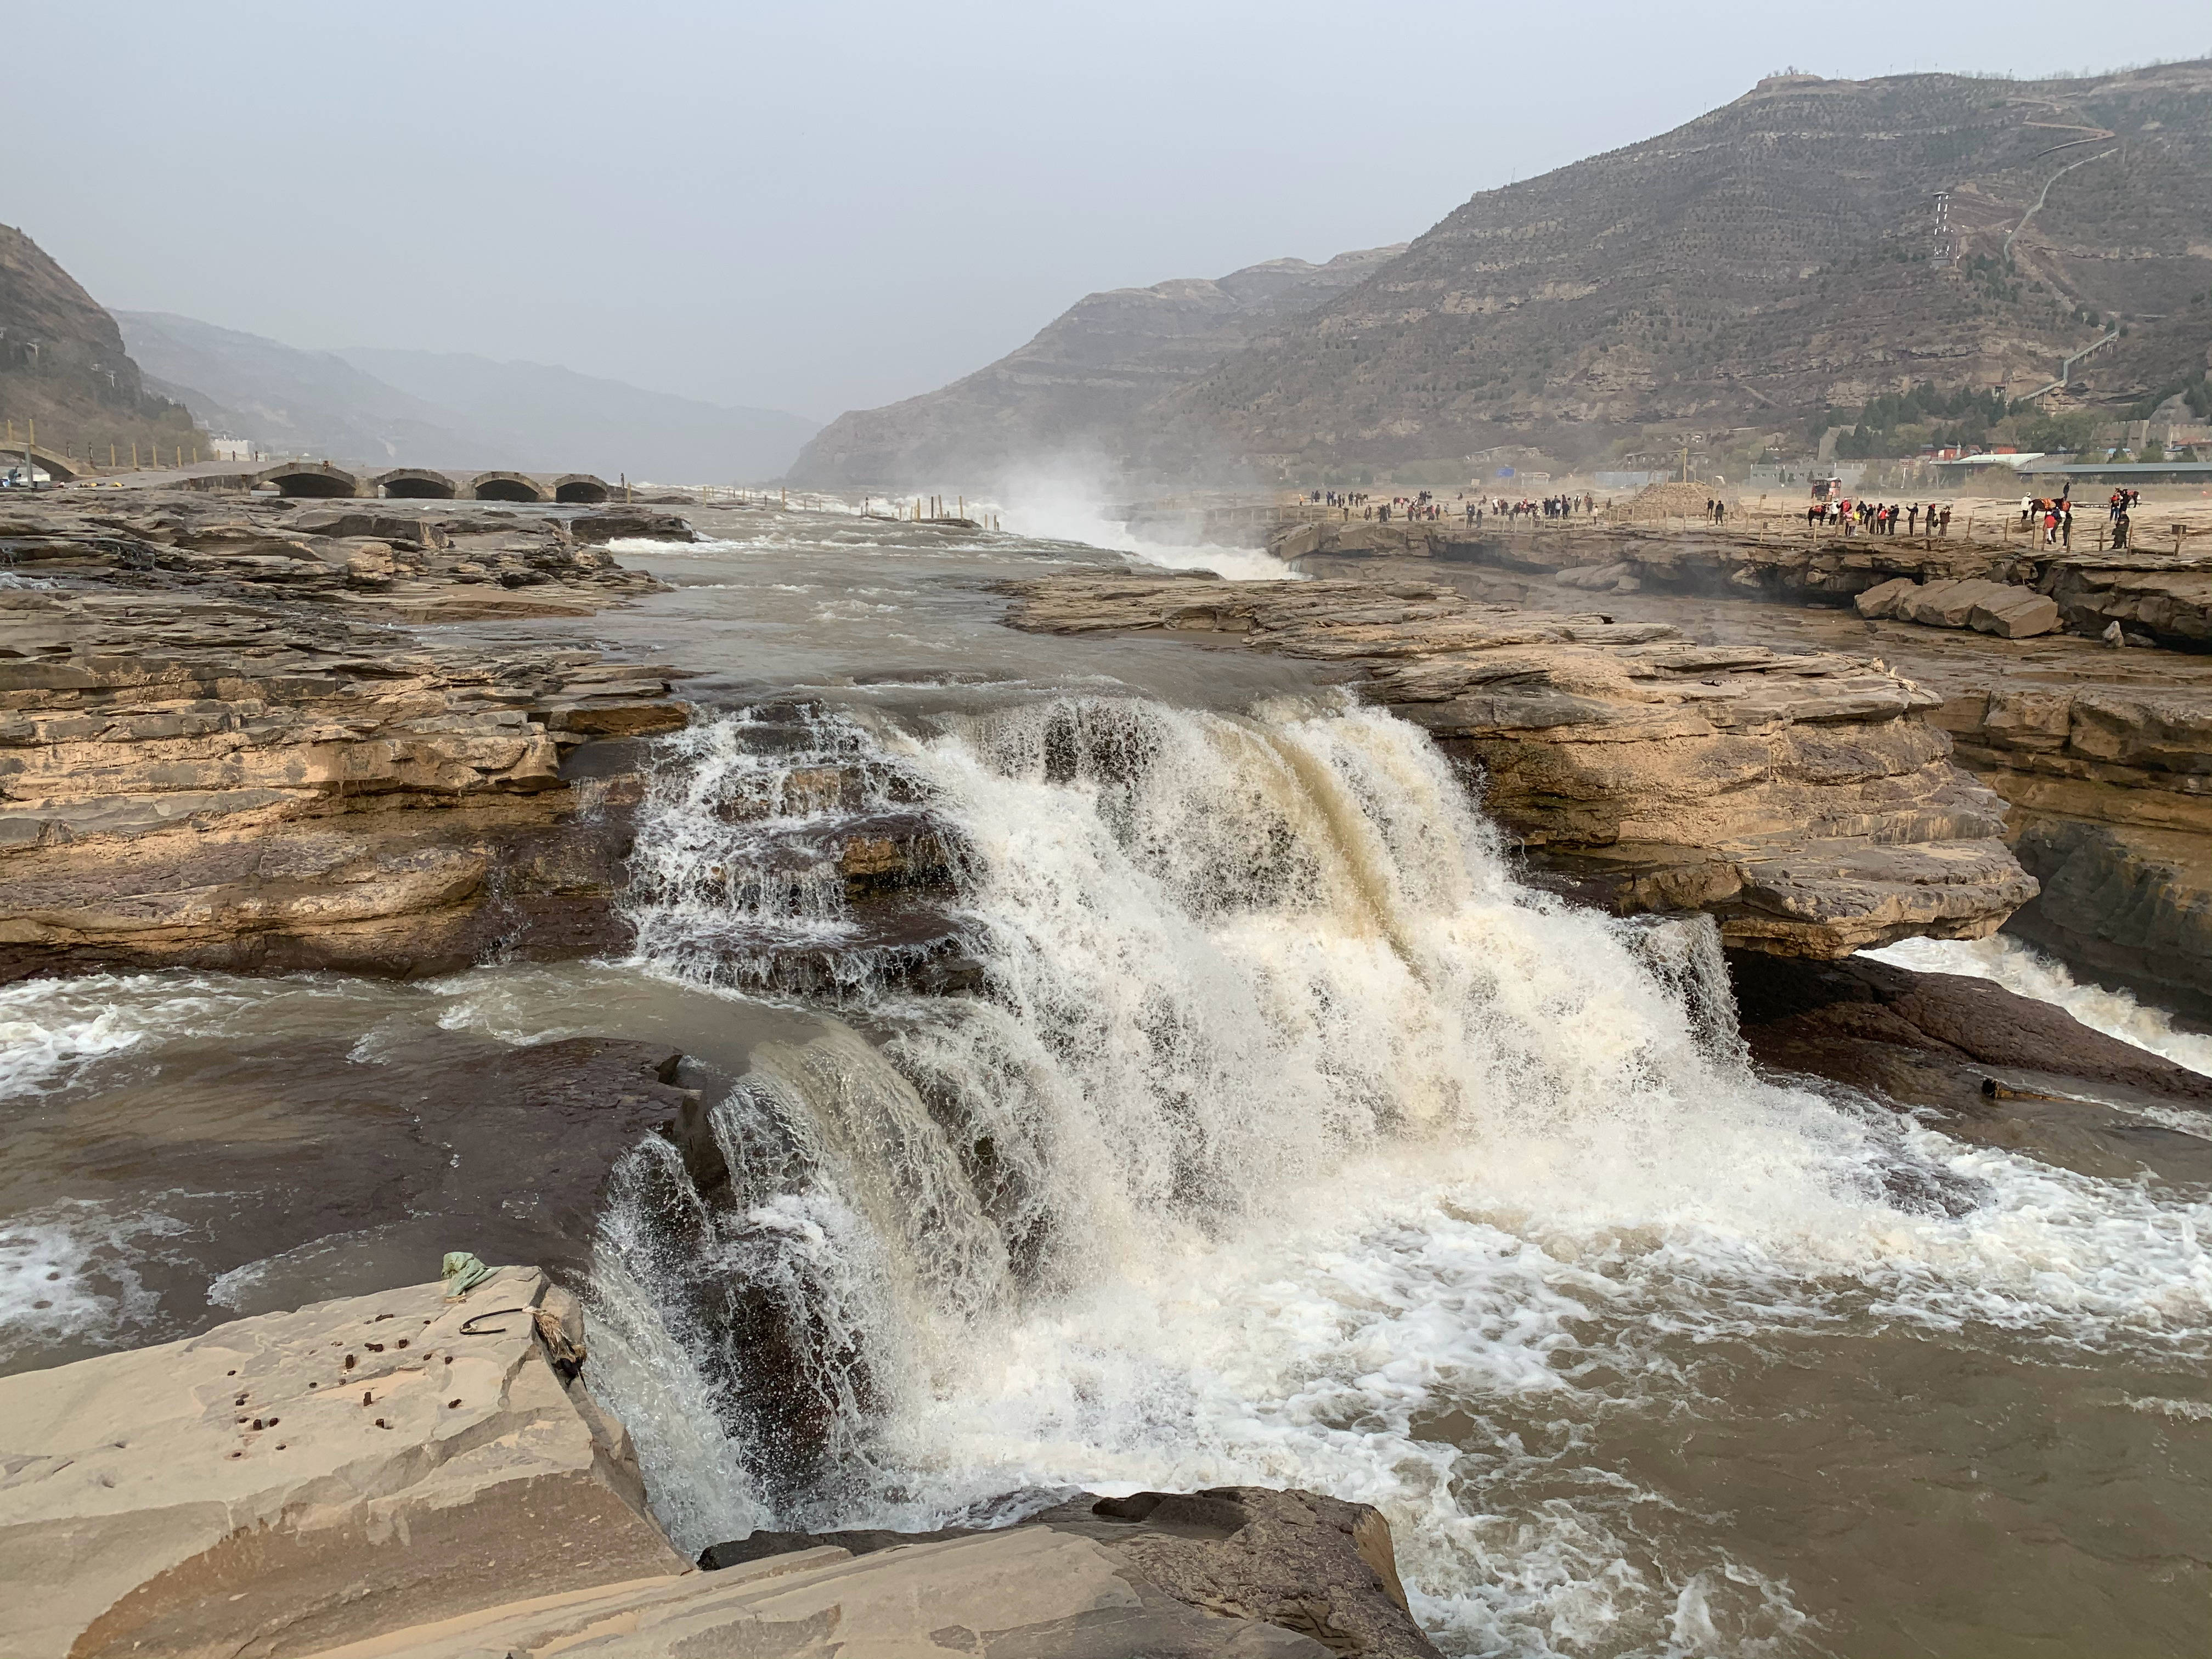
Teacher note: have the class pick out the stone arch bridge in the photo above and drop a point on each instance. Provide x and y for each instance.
(322, 480)
(60, 468)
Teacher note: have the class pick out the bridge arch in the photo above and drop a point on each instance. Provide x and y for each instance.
(318, 480)
(581, 487)
(505, 487)
(60, 468)
(416, 484)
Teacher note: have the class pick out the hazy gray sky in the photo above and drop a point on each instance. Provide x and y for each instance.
(828, 206)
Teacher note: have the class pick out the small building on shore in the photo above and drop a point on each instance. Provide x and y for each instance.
(2126, 474)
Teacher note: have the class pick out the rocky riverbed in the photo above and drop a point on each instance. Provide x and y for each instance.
(221, 744)
(957, 1068)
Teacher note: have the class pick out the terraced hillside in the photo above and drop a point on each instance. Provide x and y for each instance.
(1767, 259)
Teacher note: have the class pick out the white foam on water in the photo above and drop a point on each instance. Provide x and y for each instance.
(1301, 1121)
(51, 1028)
(2182, 1411)
(2022, 968)
(67, 1273)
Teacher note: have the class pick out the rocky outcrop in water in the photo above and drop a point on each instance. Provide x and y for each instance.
(1803, 801)
(406, 1475)
(216, 750)
(1989, 1066)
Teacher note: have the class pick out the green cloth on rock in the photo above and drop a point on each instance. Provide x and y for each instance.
(462, 1272)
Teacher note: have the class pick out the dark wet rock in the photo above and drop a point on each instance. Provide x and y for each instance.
(1997, 1068)
(1319, 1572)
(622, 523)
(1952, 1014)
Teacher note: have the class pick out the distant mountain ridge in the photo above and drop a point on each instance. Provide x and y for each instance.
(389, 408)
(540, 410)
(310, 402)
(1750, 268)
(1741, 274)
(1075, 387)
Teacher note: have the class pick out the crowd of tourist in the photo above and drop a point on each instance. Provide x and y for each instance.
(1879, 518)
(2054, 515)
(1426, 505)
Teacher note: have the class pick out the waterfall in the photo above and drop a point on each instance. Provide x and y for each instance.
(1205, 1100)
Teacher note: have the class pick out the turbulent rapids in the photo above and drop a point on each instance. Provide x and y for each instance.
(1099, 1060)
(1208, 1102)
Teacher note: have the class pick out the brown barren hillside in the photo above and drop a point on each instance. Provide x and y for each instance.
(1073, 387)
(1767, 259)
(62, 366)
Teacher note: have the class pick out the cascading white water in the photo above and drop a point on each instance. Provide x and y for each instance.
(1284, 1126)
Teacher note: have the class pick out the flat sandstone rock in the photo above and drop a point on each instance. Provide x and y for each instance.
(304, 1479)
(398, 1477)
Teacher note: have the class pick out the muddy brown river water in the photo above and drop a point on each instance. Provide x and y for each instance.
(1270, 1130)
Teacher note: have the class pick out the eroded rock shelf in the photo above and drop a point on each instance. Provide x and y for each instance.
(1803, 801)
(244, 759)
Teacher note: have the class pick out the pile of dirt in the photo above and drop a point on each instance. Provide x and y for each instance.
(1666, 501)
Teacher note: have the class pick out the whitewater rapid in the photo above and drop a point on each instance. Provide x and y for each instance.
(1286, 1139)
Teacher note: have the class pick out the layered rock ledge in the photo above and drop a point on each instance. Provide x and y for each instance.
(382, 563)
(409, 1477)
(242, 760)
(2100, 751)
(2163, 598)
(2110, 796)
(1803, 801)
